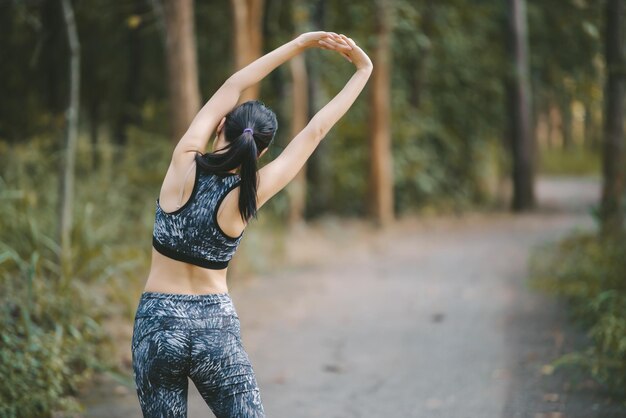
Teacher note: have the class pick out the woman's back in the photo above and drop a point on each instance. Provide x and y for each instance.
(175, 275)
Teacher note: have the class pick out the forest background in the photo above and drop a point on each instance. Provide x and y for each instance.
(469, 102)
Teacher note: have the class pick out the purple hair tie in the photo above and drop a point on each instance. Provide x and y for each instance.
(248, 130)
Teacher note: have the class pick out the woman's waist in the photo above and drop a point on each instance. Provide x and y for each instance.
(173, 276)
(185, 306)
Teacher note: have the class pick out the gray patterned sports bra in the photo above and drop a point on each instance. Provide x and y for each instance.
(191, 232)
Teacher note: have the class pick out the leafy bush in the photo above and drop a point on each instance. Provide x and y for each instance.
(51, 340)
(590, 273)
(53, 336)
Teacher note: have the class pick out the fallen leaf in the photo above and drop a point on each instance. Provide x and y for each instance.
(547, 369)
(551, 397)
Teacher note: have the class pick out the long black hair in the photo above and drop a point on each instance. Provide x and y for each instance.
(249, 129)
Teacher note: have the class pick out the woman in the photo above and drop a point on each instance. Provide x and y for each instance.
(186, 324)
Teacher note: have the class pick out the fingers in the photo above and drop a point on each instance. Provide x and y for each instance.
(335, 44)
(332, 39)
(349, 41)
(340, 39)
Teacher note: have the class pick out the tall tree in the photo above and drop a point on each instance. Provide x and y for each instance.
(381, 170)
(67, 183)
(182, 66)
(567, 122)
(299, 116)
(519, 98)
(248, 36)
(319, 166)
(612, 210)
(129, 111)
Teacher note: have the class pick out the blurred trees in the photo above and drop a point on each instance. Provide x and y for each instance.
(319, 168)
(447, 100)
(300, 117)
(448, 103)
(519, 98)
(248, 36)
(613, 188)
(566, 56)
(67, 169)
(380, 170)
(182, 67)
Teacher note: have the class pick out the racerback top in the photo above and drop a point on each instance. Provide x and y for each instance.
(191, 233)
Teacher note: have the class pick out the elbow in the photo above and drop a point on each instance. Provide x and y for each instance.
(319, 130)
(320, 133)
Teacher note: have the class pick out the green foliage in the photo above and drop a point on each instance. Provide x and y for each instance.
(446, 103)
(589, 272)
(52, 340)
(53, 332)
(449, 60)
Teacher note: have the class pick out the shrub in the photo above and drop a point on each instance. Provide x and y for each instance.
(51, 340)
(590, 273)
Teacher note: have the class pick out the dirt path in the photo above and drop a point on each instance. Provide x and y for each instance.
(431, 318)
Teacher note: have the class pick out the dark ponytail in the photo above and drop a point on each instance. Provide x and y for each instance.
(249, 129)
(249, 180)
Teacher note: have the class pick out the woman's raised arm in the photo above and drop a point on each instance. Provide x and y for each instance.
(226, 97)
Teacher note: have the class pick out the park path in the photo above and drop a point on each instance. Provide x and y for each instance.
(430, 318)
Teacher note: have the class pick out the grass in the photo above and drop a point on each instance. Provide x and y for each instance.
(578, 161)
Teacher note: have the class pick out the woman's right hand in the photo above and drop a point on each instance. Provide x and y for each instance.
(356, 55)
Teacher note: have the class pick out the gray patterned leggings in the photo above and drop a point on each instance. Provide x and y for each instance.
(176, 336)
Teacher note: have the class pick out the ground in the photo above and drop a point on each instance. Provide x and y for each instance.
(433, 317)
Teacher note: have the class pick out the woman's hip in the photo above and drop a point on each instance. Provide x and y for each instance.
(170, 312)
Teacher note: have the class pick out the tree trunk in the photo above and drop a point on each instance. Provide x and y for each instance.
(182, 66)
(589, 127)
(319, 166)
(381, 174)
(541, 128)
(519, 96)
(248, 36)
(297, 187)
(612, 211)
(159, 15)
(93, 109)
(566, 123)
(552, 123)
(67, 183)
(300, 115)
(129, 113)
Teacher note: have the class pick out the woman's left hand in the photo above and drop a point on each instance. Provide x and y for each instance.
(325, 40)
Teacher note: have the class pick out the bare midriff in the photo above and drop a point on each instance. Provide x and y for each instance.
(172, 276)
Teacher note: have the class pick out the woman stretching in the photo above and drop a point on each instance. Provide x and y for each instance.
(185, 323)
